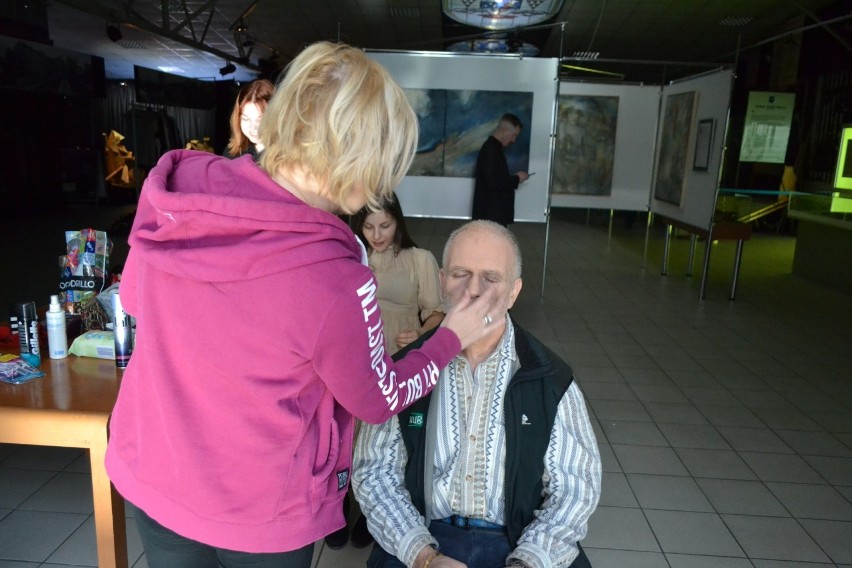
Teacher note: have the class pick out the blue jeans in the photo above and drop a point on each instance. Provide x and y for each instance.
(478, 548)
(167, 549)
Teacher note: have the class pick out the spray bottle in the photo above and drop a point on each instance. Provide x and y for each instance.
(57, 340)
(123, 333)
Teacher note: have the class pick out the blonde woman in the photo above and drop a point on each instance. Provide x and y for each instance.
(259, 336)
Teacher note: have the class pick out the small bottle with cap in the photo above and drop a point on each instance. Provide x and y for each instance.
(57, 339)
(123, 333)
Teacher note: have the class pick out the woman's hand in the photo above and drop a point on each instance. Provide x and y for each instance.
(445, 561)
(467, 318)
(405, 337)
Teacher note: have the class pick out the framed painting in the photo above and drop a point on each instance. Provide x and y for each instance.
(455, 123)
(430, 106)
(585, 144)
(678, 114)
(703, 144)
(472, 117)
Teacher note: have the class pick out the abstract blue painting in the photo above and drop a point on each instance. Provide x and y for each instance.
(455, 123)
(430, 106)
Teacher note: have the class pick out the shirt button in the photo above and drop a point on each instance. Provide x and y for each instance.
(472, 438)
(468, 478)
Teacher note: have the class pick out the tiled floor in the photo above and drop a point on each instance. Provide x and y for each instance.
(725, 427)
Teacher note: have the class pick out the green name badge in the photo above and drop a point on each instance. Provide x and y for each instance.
(415, 420)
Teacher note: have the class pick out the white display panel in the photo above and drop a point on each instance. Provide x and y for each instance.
(635, 134)
(451, 197)
(698, 200)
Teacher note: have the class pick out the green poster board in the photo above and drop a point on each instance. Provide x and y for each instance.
(767, 127)
(843, 175)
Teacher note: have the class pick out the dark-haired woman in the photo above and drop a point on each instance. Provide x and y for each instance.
(409, 291)
(409, 295)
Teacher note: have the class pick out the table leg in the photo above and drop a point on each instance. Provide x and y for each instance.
(648, 222)
(708, 245)
(609, 230)
(666, 248)
(736, 275)
(110, 525)
(692, 239)
(77, 429)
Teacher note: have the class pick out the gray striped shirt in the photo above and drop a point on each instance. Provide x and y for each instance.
(468, 474)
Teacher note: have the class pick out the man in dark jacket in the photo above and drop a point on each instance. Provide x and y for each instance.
(494, 187)
(499, 467)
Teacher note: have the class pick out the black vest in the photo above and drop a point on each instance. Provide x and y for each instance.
(532, 400)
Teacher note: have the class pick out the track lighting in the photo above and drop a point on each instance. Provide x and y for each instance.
(227, 69)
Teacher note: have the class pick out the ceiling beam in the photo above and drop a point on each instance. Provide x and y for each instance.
(123, 12)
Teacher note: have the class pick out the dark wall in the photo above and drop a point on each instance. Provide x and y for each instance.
(824, 94)
(823, 90)
(37, 129)
(24, 19)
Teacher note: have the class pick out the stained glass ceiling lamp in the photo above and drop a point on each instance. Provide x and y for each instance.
(501, 14)
(494, 45)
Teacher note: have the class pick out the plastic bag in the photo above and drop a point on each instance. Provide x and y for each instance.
(85, 267)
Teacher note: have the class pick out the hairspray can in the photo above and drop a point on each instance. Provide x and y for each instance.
(123, 333)
(27, 320)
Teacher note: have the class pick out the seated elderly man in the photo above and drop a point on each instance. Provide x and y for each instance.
(499, 466)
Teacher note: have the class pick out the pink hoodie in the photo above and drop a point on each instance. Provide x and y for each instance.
(258, 338)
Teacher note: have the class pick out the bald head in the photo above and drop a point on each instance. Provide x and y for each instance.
(499, 231)
(479, 256)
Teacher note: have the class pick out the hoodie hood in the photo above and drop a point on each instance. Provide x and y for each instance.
(208, 218)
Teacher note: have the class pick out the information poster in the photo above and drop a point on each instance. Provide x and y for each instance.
(767, 127)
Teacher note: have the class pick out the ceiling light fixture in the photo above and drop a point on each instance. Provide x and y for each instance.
(113, 32)
(501, 14)
(227, 69)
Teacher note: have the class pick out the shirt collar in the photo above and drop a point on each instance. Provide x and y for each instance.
(505, 348)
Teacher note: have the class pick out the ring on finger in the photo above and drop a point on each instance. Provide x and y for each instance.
(487, 319)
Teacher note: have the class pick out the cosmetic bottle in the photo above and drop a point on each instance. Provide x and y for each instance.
(57, 339)
(123, 333)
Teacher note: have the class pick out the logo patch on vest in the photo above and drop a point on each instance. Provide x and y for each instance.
(415, 420)
(342, 479)
(525, 421)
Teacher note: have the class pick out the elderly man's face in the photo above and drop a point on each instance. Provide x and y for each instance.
(480, 259)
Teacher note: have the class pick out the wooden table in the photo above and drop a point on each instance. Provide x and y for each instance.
(719, 231)
(70, 407)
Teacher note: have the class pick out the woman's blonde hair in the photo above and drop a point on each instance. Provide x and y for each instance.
(340, 117)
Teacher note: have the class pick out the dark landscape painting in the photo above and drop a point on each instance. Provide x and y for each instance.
(585, 144)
